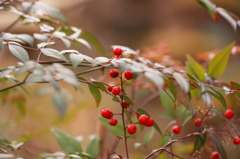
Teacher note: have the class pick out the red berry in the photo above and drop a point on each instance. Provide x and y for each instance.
(198, 122)
(114, 73)
(117, 51)
(125, 104)
(176, 129)
(215, 155)
(131, 129)
(236, 140)
(113, 121)
(128, 74)
(150, 122)
(116, 91)
(110, 87)
(106, 113)
(143, 119)
(229, 114)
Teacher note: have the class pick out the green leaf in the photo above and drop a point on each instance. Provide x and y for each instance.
(148, 136)
(53, 53)
(218, 96)
(209, 6)
(199, 142)
(218, 144)
(21, 107)
(186, 117)
(93, 147)
(166, 140)
(100, 86)
(218, 64)
(167, 103)
(76, 59)
(90, 38)
(19, 52)
(155, 79)
(181, 81)
(128, 100)
(179, 111)
(167, 116)
(195, 69)
(67, 142)
(235, 86)
(116, 130)
(60, 103)
(171, 86)
(96, 94)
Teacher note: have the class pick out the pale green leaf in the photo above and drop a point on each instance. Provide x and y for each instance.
(19, 52)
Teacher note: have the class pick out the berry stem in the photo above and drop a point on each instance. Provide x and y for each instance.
(123, 120)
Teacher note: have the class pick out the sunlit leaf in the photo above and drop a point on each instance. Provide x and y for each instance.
(181, 81)
(19, 52)
(96, 94)
(67, 142)
(53, 53)
(218, 64)
(195, 69)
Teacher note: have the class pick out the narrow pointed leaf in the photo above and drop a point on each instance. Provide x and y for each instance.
(76, 59)
(209, 6)
(218, 64)
(181, 81)
(148, 136)
(96, 94)
(93, 147)
(218, 144)
(60, 103)
(53, 53)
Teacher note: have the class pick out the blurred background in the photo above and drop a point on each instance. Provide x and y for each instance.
(178, 27)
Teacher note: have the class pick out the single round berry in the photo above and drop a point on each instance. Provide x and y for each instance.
(143, 119)
(215, 155)
(198, 122)
(131, 129)
(150, 122)
(110, 87)
(229, 114)
(113, 121)
(114, 73)
(128, 74)
(236, 140)
(117, 51)
(176, 129)
(106, 113)
(116, 91)
(125, 104)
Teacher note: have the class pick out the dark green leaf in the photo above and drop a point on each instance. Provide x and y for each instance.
(218, 64)
(66, 142)
(93, 147)
(19, 52)
(115, 99)
(195, 69)
(96, 94)
(100, 86)
(60, 103)
(218, 144)
(199, 142)
(148, 136)
(170, 85)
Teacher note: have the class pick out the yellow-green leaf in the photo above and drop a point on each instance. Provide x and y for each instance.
(218, 64)
(195, 69)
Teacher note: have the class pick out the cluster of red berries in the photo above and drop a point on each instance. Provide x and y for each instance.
(108, 114)
(142, 119)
